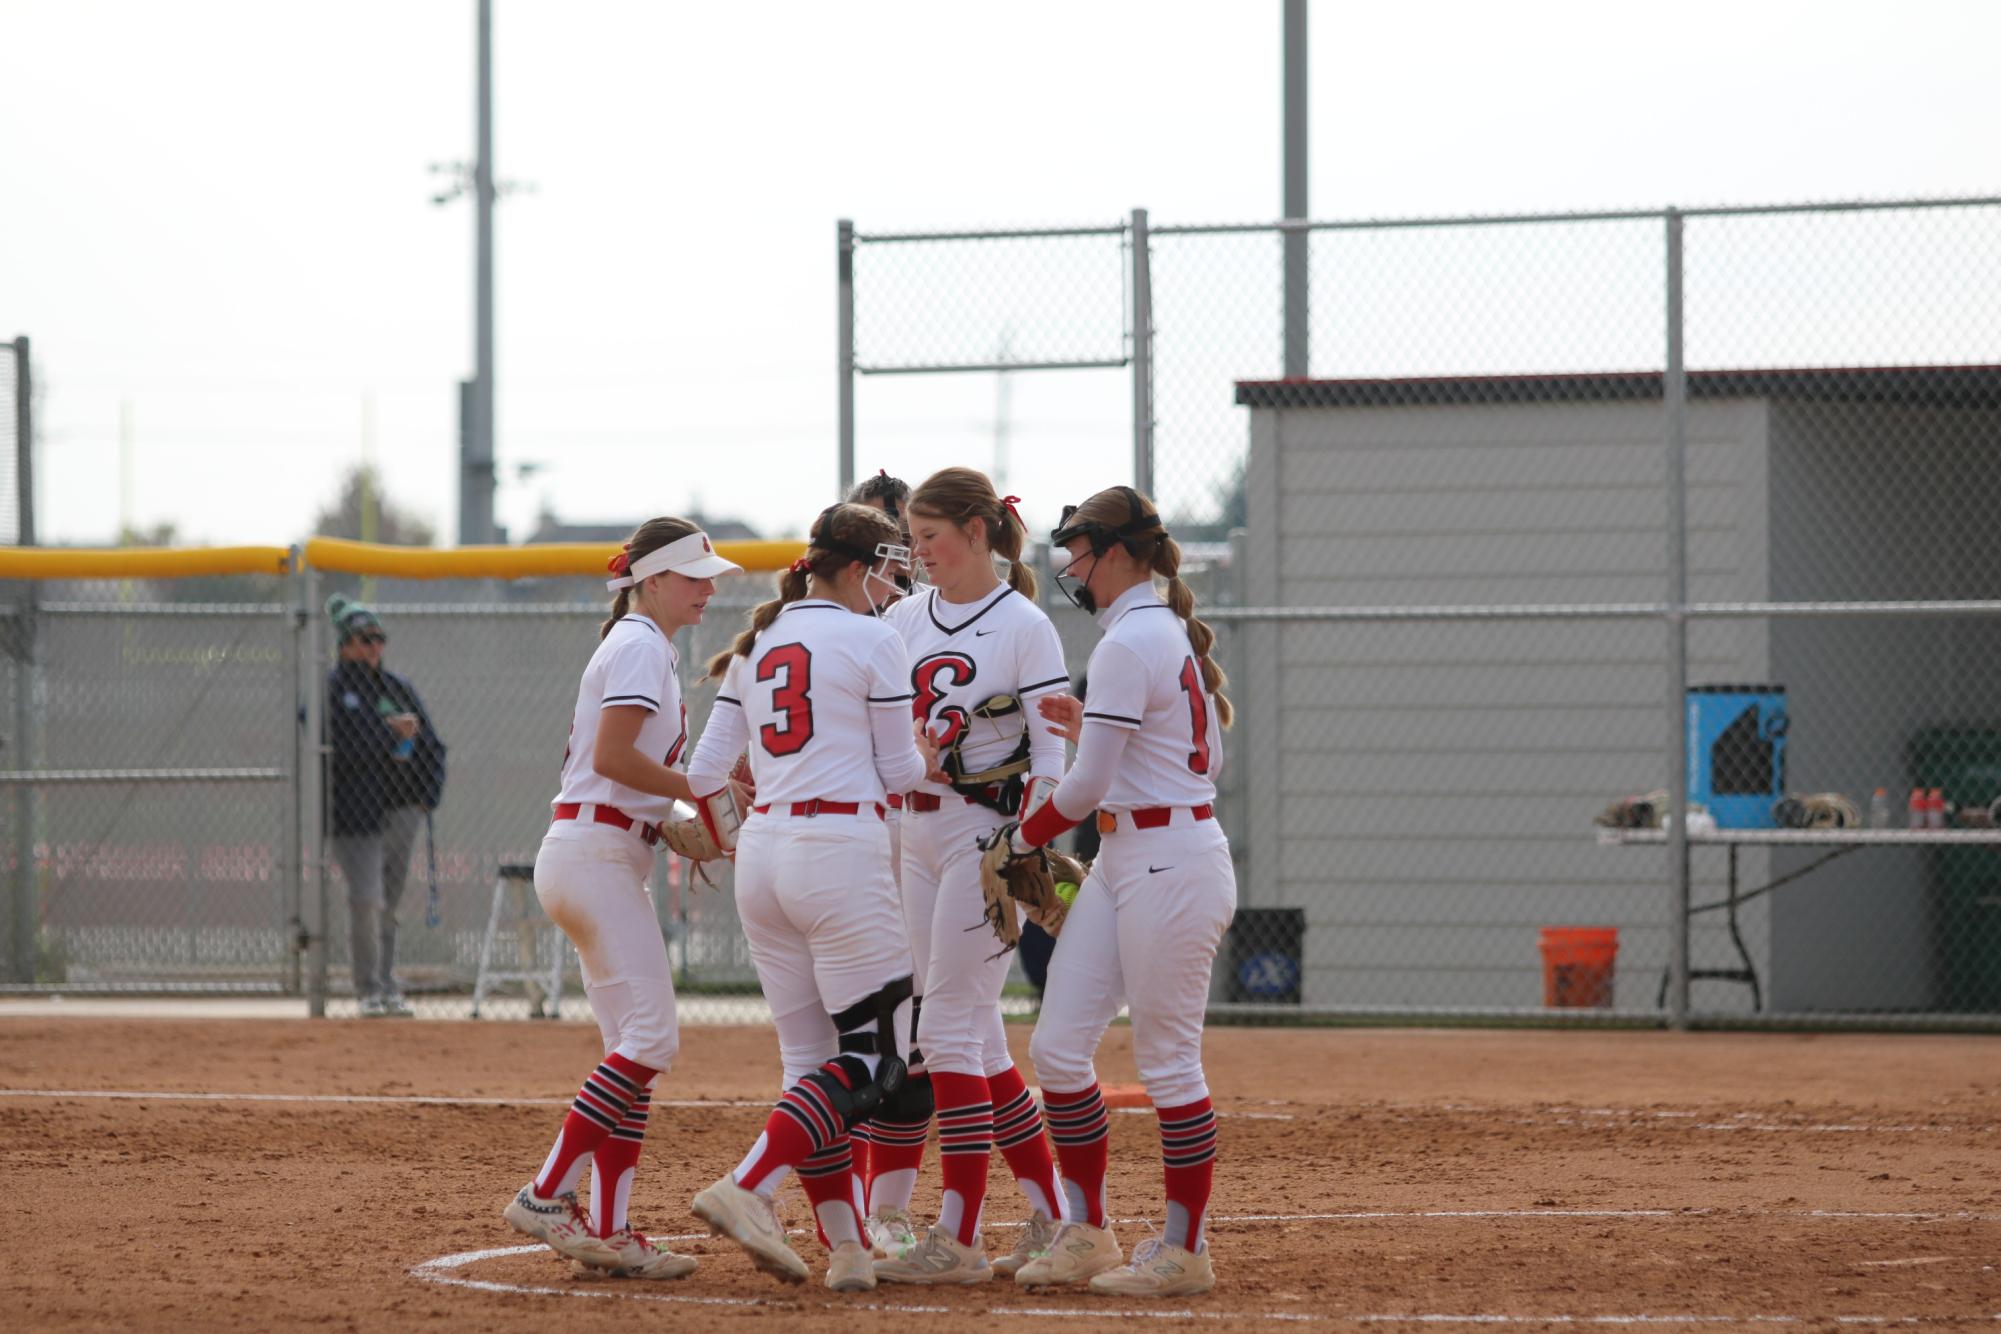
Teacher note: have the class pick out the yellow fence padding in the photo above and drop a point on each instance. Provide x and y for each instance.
(140, 562)
(336, 554)
(537, 560)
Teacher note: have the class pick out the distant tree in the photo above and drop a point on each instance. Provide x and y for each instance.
(361, 512)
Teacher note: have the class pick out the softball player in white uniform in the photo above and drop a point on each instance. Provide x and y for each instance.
(1149, 916)
(981, 652)
(628, 731)
(821, 696)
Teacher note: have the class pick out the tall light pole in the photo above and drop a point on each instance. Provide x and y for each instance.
(476, 395)
(1295, 188)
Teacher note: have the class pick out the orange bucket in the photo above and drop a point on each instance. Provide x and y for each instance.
(1577, 964)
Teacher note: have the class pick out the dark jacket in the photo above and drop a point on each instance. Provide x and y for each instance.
(364, 777)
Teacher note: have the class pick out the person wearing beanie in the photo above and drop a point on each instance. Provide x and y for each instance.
(386, 771)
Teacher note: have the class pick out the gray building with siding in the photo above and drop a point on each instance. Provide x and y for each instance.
(1426, 789)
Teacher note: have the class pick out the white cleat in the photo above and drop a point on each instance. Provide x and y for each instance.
(561, 1224)
(937, 1259)
(1036, 1236)
(1158, 1270)
(890, 1234)
(1077, 1252)
(850, 1269)
(751, 1221)
(639, 1257)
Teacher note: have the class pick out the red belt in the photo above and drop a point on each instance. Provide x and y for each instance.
(896, 801)
(649, 834)
(818, 807)
(1151, 817)
(926, 801)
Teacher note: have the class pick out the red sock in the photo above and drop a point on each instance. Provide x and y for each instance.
(612, 1167)
(1019, 1135)
(829, 1182)
(1188, 1152)
(895, 1146)
(802, 1124)
(965, 1143)
(858, 1160)
(600, 1105)
(1081, 1131)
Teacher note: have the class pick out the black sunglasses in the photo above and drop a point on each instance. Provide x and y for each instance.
(372, 637)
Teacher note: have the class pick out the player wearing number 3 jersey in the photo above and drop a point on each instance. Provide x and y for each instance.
(1148, 918)
(619, 783)
(821, 696)
(981, 652)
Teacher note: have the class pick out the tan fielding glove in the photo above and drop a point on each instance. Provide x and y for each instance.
(1008, 877)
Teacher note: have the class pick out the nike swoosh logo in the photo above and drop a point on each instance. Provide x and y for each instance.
(1156, 870)
(978, 633)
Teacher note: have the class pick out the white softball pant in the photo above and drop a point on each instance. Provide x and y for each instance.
(961, 1031)
(591, 880)
(819, 910)
(1143, 933)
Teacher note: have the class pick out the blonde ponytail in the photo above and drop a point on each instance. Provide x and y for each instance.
(1008, 537)
(1180, 597)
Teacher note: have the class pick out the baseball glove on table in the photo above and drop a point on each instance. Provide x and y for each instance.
(1028, 878)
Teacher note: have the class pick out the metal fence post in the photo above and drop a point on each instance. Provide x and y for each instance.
(1675, 400)
(1142, 355)
(24, 747)
(844, 319)
(295, 828)
(312, 803)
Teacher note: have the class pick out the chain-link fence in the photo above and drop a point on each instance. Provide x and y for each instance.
(1575, 508)
(149, 784)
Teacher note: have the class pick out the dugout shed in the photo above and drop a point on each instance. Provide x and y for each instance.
(1426, 788)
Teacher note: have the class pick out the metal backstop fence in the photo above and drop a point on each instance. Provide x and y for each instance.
(1572, 508)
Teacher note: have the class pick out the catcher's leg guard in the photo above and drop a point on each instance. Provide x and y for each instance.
(890, 1074)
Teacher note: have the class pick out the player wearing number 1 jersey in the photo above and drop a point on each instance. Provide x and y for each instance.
(821, 696)
(1148, 917)
(981, 652)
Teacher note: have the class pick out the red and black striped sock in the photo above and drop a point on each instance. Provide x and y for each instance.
(829, 1182)
(612, 1167)
(896, 1152)
(1019, 1135)
(803, 1124)
(1081, 1131)
(1188, 1153)
(965, 1143)
(600, 1105)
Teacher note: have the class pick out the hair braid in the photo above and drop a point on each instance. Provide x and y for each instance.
(1180, 597)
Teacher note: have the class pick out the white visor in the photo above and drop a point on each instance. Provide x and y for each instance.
(691, 555)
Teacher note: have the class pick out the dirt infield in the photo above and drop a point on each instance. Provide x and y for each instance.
(1512, 1177)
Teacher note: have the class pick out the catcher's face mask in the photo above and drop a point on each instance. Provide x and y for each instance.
(888, 579)
(1102, 537)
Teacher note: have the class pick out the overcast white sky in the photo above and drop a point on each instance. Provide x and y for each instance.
(215, 216)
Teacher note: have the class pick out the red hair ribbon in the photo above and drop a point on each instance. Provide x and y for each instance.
(802, 566)
(1010, 502)
(620, 563)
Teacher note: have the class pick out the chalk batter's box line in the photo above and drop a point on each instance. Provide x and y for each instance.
(449, 1100)
(439, 1271)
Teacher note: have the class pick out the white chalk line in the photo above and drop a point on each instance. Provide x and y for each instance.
(452, 1100)
(440, 1271)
